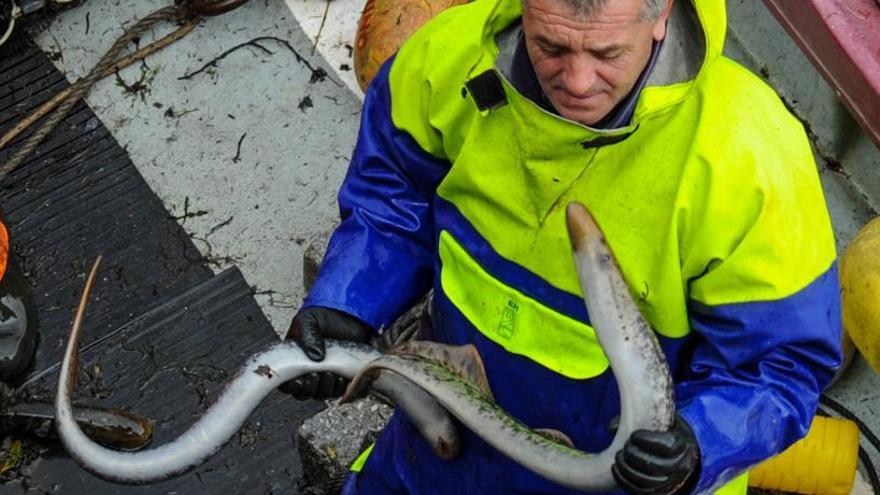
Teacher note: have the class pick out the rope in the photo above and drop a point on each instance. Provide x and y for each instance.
(141, 54)
(108, 64)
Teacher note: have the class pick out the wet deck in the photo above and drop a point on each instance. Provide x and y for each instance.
(238, 167)
(164, 332)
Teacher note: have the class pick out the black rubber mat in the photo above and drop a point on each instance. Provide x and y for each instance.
(79, 196)
(169, 365)
(162, 332)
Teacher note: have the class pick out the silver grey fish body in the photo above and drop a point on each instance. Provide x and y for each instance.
(633, 352)
(423, 411)
(629, 343)
(260, 375)
(627, 339)
(257, 379)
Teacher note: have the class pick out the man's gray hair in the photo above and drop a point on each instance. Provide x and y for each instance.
(587, 8)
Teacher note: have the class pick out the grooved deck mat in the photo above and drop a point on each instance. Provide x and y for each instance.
(162, 333)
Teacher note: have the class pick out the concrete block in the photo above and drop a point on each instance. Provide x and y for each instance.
(331, 440)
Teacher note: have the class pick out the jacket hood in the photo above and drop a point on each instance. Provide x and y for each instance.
(695, 38)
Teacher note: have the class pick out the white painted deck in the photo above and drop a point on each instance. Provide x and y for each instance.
(259, 209)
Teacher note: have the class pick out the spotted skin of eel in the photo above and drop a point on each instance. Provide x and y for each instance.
(626, 338)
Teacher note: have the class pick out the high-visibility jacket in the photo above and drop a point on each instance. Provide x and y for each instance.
(709, 198)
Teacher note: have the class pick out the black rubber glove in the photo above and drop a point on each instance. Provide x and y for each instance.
(308, 329)
(661, 463)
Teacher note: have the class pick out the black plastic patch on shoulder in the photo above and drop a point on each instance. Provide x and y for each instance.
(487, 91)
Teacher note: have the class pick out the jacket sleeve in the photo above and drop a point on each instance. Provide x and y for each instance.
(767, 316)
(379, 260)
(756, 377)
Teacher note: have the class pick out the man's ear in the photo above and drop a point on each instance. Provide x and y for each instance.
(660, 24)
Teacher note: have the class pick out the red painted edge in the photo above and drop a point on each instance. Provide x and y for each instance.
(842, 39)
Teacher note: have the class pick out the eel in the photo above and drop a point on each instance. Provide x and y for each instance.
(430, 418)
(117, 429)
(634, 355)
(256, 379)
(633, 352)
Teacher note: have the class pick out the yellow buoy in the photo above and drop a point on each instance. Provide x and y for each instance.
(860, 290)
(823, 462)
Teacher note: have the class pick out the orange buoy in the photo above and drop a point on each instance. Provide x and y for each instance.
(384, 26)
(4, 249)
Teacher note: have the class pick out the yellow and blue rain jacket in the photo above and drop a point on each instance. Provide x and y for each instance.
(709, 198)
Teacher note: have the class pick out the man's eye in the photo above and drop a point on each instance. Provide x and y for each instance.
(608, 56)
(551, 51)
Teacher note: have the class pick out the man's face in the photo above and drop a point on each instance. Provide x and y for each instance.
(587, 66)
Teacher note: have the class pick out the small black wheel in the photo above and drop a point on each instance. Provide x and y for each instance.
(19, 331)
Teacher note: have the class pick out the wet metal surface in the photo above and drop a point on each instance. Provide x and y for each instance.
(841, 38)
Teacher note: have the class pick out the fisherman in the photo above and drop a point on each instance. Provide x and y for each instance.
(18, 330)
(474, 138)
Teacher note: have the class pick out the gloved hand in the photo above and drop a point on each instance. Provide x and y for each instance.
(308, 329)
(656, 462)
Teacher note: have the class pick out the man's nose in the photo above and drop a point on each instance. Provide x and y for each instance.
(579, 75)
